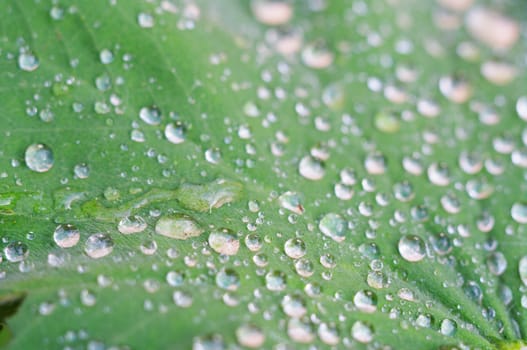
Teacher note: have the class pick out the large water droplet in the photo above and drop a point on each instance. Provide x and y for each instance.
(16, 251)
(98, 245)
(176, 132)
(66, 235)
(311, 168)
(250, 336)
(131, 224)
(28, 61)
(224, 241)
(519, 213)
(150, 115)
(334, 226)
(178, 226)
(39, 157)
(412, 248)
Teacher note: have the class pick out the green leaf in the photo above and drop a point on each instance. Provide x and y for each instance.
(266, 174)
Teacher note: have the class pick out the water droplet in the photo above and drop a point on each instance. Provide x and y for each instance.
(365, 301)
(412, 248)
(328, 333)
(228, 279)
(387, 122)
(16, 251)
(106, 56)
(145, 20)
(178, 226)
(295, 248)
(292, 202)
(272, 12)
(448, 327)
(253, 242)
(224, 241)
(28, 61)
(333, 226)
(519, 213)
(211, 195)
(66, 235)
(439, 174)
(176, 132)
(301, 330)
(522, 269)
(492, 28)
(294, 305)
(311, 168)
(39, 157)
(362, 332)
(213, 155)
(88, 298)
(375, 163)
(98, 245)
(182, 299)
(250, 336)
(497, 263)
(81, 171)
(304, 267)
(317, 55)
(131, 224)
(175, 278)
(455, 88)
(148, 247)
(275, 280)
(521, 107)
(150, 115)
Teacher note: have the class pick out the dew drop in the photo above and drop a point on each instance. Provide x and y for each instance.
(519, 213)
(333, 226)
(362, 332)
(412, 248)
(295, 248)
(272, 12)
(311, 168)
(39, 157)
(150, 115)
(292, 202)
(228, 279)
(28, 61)
(98, 245)
(131, 224)
(16, 251)
(317, 55)
(275, 280)
(66, 235)
(145, 20)
(365, 301)
(250, 336)
(224, 241)
(176, 132)
(178, 226)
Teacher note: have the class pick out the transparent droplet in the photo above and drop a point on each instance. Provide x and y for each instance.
(131, 224)
(253, 242)
(317, 55)
(519, 213)
(176, 132)
(301, 330)
(150, 115)
(441, 244)
(66, 235)
(178, 226)
(328, 333)
(182, 299)
(492, 28)
(16, 251)
(522, 269)
(448, 327)
(98, 245)
(439, 174)
(333, 226)
(295, 248)
(455, 88)
(403, 191)
(375, 163)
(145, 20)
(365, 301)
(148, 247)
(304, 267)
(250, 336)
(39, 157)
(224, 241)
(81, 171)
(228, 279)
(272, 12)
(275, 280)
(106, 56)
(294, 305)
(311, 168)
(497, 263)
(362, 332)
(412, 248)
(28, 61)
(88, 298)
(521, 107)
(213, 155)
(292, 202)
(175, 278)
(387, 122)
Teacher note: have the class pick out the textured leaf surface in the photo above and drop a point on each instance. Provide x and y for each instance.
(352, 176)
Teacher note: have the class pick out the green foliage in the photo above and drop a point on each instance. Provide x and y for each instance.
(180, 174)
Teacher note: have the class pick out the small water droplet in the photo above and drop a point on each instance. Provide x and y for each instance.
(224, 241)
(28, 61)
(178, 226)
(333, 226)
(412, 248)
(150, 115)
(176, 132)
(131, 224)
(16, 251)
